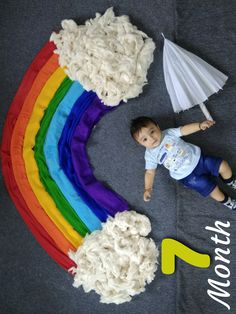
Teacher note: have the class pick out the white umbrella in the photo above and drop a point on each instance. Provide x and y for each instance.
(189, 79)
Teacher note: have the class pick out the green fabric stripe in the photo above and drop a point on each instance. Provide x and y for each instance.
(51, 187)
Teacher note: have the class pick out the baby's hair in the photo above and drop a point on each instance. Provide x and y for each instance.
(138, 123)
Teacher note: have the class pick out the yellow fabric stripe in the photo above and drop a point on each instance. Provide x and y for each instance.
(32, 172)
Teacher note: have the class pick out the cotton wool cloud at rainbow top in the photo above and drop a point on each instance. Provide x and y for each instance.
(107, 55)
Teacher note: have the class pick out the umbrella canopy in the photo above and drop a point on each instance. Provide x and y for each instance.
(189, 79)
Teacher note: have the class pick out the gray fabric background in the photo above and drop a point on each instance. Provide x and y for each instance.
(30, 281)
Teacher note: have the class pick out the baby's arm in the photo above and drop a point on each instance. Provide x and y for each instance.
(148, 183)
(195, 127)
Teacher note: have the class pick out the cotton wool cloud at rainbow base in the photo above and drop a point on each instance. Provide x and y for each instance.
(118, 261)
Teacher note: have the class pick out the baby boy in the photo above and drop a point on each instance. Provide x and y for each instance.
(185, 162)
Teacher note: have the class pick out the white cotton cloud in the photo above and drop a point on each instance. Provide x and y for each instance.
(108, 55)
(118, 260)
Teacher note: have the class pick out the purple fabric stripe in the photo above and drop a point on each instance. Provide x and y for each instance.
(82, 103)
(104, 196)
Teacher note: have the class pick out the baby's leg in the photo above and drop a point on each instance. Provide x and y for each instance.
(227, 175)
(202, 179)
(225, 170)
(219, 196)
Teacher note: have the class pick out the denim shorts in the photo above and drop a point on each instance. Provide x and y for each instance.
(202, 178)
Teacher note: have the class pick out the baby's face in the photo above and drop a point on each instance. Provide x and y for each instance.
(149, 136)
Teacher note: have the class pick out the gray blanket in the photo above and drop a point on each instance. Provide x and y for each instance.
(30, 281)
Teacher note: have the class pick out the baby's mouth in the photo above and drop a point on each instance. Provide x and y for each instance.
(155, 143)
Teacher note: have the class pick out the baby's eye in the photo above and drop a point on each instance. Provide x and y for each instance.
(144, 140)
(152, 131)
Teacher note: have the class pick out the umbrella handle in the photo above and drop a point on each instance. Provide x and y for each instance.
(205, 111)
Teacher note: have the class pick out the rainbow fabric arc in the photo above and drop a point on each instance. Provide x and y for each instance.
(44, 161)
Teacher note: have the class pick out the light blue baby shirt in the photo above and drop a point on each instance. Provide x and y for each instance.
(178, 156)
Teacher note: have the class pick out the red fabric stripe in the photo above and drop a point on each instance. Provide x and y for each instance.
(38, 231)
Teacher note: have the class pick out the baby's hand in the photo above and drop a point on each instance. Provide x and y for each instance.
(206, 124)
(147, 195)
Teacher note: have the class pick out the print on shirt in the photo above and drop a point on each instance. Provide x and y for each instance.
(172, 155)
